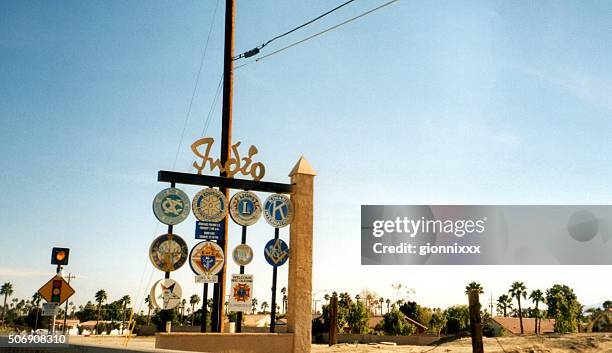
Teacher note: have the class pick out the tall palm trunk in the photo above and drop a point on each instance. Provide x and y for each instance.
(536, 317)
(97, 319)
(149, 316)
(36, 318)
(192, 313)
(4, 307)
(520, 312)
(123, 321)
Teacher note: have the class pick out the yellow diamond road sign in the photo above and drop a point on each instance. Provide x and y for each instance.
(57, 290)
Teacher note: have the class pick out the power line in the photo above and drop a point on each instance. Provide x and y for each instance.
(256, 50)
(212, 107)
(195, 87)
(327, 30)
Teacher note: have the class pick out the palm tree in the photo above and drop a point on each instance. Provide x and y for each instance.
(193, 300)
(381, 300)
(326, 297)
(125, 300)
(149, 307)
(517, 291)
(284, 292)
(100, 298)
(473, 286)
(36, 297)
(7, 290)
(264, 306)
(537, 297)
(183, 304)
(504, 303)
(388, 301)
(254, 305)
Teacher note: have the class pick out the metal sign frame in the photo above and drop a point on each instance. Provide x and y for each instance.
(228, 183)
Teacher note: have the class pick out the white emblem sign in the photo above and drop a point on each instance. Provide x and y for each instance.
(209, 205)
(166, 294)
(171, 206)
(242, 255)
(245, 208)
(278, 210)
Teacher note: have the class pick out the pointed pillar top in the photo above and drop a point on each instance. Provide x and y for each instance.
(302, 167)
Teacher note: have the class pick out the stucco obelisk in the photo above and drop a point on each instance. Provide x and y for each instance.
(299, 311)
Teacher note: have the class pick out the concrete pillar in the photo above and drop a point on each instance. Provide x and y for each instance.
(299, 311)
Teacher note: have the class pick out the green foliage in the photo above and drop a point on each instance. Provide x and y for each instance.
(473, 286)
(159, 319)
(437, 321)
(457, 319)
(358, 317)
(394, 323)
(504, 304)
(607, 304)
(564, 307)
(410, 309)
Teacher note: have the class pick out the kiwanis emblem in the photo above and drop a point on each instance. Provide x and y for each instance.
(209, 205)
(168, 252)
(276, 252)
(242, 292)
(245, 208)
(206, 258)
(278, 210)
(171, 206)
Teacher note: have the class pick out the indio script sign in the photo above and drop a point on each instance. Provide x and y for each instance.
(233, 166)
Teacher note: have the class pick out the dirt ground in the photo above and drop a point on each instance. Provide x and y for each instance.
(575, 343)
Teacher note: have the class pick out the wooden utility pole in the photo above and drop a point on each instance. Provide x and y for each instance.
(217, 314)
(475, 321)
(333, 320)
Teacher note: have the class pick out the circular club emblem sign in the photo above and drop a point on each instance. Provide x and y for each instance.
(206, 258)
(276, 252)
(278, 210)
(168, 252)
(242, 255)
(209, 205)
(171, 206)
(245, 208)
(166, 294)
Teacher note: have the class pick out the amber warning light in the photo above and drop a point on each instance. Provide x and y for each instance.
(59, 256)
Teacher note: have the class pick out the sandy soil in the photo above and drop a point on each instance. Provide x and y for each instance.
(583, 343)
(575, 343)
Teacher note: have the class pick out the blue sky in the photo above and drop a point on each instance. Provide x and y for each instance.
(423, 102)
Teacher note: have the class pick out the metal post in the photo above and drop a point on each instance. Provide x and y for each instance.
(239, 315)
(226, 142)
(204, 308)
(274, 275)
(66, 310)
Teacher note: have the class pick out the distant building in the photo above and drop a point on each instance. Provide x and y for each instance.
(512, 325)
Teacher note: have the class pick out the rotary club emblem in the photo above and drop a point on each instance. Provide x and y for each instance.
(209, 205)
